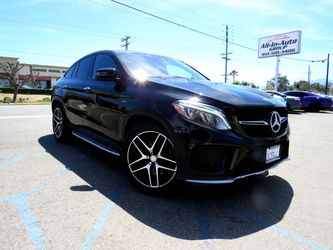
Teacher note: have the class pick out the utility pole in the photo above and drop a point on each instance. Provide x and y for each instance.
(225, 55)
(309, 77)
(125, 41)
(328, 67)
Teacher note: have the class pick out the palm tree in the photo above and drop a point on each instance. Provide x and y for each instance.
(233, 73)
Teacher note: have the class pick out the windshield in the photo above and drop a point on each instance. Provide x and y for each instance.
(143, 66)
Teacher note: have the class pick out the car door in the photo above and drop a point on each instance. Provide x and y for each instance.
(78, 105)
(72, 97)
(103, 107)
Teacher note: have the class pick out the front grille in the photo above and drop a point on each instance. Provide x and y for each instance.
(260, 119)
(255, 160)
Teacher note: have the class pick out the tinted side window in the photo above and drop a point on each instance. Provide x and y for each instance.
(71, 72)
(294, 94)
(103, 61)
(83, 71)
(300, 94)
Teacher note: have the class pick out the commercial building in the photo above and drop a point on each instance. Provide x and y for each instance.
(44, 75)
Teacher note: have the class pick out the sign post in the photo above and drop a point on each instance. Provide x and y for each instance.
(279, 45)
(277, 73)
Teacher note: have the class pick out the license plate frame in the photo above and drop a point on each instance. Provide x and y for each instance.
(273, 153)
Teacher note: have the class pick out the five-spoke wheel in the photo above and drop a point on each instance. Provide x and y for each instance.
(60, 125)
(151, 158)
(57, 122)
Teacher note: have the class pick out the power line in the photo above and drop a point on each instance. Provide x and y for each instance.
(180, 25)
(304, 60)
(175, 16)
(36, 54)
(196, 30)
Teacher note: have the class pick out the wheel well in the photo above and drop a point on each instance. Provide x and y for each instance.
(288, 106)
(140, 119)
(55, 103)
(316, 105)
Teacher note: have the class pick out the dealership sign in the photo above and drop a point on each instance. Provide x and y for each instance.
(280, 45)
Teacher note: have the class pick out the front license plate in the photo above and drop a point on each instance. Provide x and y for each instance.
(273, 153)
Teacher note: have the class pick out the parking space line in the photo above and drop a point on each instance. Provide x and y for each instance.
(27, 217)
(93, 235)
(17, 158)
(202, 218)
(25, 116)
(11, 161)
(260, 221)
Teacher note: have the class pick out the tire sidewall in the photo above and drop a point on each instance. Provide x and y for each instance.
(65, 130)
(128, 139)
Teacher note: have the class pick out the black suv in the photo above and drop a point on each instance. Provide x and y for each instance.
(167, 121)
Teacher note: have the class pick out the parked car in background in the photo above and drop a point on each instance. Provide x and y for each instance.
(293, 102)
(332, 103)
(311, 101)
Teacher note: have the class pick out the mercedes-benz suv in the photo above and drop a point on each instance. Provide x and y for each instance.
(167, 121)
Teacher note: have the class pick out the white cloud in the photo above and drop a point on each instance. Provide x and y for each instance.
(49, 30)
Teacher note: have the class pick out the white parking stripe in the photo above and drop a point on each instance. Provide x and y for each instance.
(24, 105)
(25, 116)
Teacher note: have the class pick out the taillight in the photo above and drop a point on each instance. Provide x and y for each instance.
(298, 100)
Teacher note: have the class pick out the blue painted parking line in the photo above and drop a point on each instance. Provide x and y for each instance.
(11, 161)
(27, 217)
(202, 217)
(93, 235)
(260, 221)
(30, 222)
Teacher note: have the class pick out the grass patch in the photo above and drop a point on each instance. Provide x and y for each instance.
(25, 99)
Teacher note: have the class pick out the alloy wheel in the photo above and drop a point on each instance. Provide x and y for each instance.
(151, 159)
(57, 122)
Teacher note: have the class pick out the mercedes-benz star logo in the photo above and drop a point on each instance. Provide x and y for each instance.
(275, 121)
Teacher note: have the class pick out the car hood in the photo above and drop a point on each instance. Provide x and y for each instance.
(230, 94)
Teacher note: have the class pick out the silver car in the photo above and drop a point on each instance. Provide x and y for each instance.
(293, 102)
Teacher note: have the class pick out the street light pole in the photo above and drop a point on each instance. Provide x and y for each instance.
(309, 77)
(328, 67)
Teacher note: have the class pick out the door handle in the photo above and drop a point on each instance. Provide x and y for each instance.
(87, 89)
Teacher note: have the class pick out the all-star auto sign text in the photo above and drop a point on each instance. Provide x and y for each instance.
(280, 45)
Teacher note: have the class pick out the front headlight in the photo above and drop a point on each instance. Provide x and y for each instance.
(202, 114)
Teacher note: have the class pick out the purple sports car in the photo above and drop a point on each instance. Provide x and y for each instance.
(311, 101)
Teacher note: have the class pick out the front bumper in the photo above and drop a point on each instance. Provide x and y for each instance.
(215, 157)
(231, 179)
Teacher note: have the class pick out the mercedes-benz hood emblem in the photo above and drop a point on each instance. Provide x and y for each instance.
(275, 122)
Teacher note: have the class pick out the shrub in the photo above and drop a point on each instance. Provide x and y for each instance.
(7, 99)
(27, 91)
(46, 99)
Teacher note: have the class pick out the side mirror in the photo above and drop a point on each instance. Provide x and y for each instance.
(106, 74)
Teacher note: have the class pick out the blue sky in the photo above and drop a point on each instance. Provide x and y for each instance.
(58, 32)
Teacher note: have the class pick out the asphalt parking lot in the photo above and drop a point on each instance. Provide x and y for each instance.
(73, 196)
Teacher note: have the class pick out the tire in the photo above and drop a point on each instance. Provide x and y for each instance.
(150, 159)
(315, 107)
(60, 125)
(288, 107)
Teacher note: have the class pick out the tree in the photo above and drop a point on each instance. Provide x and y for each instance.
(233, 73)
(11, 73)
(283, 83)
(247, 84)
(31, 77)
(302, 85)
